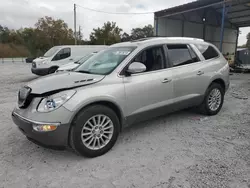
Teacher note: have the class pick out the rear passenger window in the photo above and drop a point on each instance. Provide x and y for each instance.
(207, 51)
(181, 54)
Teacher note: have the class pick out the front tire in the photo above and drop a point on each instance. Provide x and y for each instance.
(213, 100)
(94, 131)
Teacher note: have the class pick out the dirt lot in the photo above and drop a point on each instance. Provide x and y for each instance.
(181, 150)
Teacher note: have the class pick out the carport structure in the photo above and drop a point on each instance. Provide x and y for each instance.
(215, 21)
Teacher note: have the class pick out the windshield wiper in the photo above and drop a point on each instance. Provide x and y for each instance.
(83, 71)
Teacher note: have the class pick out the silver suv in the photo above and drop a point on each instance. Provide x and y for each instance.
(124, 84)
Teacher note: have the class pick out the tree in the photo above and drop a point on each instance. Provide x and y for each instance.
(125, 37)
(53, 32)
(138, 33)
(31, 41)
(248, 41)
(4, 34)
(146, 31)
(108, 34)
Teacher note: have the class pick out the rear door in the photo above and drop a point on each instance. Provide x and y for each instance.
(187, 72)
(148, 93)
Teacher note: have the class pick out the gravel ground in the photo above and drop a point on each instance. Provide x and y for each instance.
(180, 150)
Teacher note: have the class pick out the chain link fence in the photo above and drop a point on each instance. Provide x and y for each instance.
(13, 60)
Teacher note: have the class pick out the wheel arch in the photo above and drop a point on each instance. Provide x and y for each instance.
(219, 81)
(54, 66)
(112, 105)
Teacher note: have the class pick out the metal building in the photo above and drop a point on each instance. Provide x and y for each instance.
(215, 21)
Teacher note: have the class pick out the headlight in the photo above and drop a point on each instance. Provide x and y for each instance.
(53, 102)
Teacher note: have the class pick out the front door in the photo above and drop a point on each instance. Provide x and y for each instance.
(148, 93)
(62, 57)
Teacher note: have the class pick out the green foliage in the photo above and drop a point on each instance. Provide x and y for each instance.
(125, 37)
(138, 33)
(248, 41)
(108, 34)
(49, 32)
(146, 31)
(46, 34)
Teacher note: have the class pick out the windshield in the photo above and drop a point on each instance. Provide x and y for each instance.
(51, 51)
(105, 61)
(82, 60)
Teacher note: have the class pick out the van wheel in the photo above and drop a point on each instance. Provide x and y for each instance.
(94, 131)
(213, 100)
(52, 70)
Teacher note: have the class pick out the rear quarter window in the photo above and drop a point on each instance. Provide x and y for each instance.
(207, 51)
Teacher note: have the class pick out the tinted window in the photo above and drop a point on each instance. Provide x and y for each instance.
(179, 54)
(152, 58)
(62, 54)
(207, 51)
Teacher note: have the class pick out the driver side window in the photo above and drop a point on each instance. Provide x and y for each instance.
(153, 58)
(62, 54)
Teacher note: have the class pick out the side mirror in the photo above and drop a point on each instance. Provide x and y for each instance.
(136, 67)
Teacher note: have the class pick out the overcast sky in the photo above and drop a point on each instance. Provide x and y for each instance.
(24, 13)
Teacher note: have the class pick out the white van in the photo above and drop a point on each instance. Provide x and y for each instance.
(61, 55)
(74, 64)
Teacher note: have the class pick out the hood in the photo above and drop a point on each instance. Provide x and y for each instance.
(68, 66)
(40, 59)
(61, 81)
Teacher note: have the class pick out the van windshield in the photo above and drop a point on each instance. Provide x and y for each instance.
(51, 51)
(105, 61)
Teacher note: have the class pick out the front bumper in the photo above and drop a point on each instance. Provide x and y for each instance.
(58, 137)
(40, 71)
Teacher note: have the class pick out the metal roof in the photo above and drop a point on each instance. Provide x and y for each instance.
(238, 11)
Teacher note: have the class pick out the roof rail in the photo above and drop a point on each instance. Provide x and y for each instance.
(171, 38)
(185, 38)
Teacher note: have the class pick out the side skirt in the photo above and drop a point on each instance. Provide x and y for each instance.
(143, 116)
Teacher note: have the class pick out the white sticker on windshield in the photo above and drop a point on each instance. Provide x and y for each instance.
(122, 52)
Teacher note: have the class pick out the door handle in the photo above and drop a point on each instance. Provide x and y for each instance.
(200, 73)
(166, 80)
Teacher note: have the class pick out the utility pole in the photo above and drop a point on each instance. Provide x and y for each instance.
(75, 24)
(79, 35)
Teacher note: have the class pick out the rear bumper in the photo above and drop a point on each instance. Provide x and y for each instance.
(56, 138)
(40, 71)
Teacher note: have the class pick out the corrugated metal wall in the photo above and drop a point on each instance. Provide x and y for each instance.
(174, 28)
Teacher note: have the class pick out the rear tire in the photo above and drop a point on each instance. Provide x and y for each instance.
(213, 100)
(94, 131)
